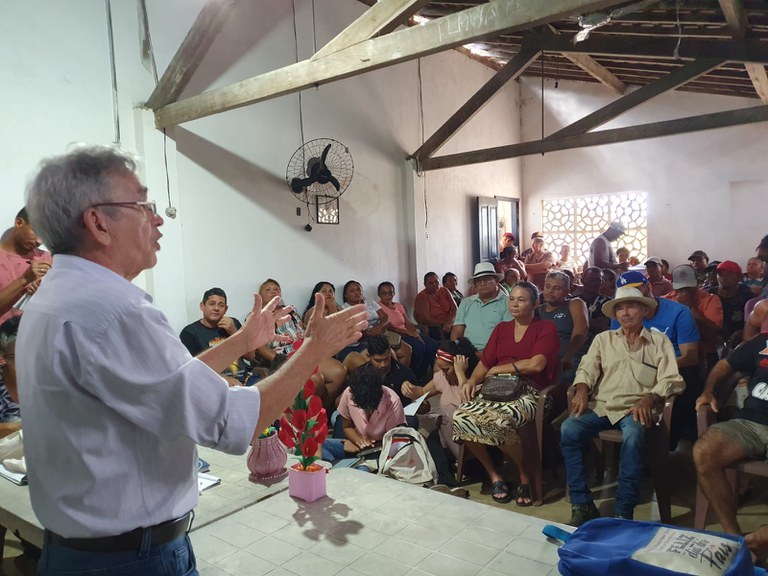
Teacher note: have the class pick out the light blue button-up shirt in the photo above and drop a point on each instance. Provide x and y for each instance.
(114, 405)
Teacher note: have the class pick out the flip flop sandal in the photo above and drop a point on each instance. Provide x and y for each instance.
(498, 489)
(522, 494)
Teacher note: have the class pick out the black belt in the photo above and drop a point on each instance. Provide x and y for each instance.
(160, 534)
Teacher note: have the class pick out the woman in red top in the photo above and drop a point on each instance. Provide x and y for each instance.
(527, 346)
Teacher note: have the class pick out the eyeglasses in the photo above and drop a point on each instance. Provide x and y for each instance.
(387, 292)
(144, 204)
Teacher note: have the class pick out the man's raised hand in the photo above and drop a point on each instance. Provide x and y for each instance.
(259, 328)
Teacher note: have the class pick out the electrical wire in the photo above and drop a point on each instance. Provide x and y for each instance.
(113, 70)
(676, 52)
(418, 166)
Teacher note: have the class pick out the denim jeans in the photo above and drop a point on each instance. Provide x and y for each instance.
(575, 435)
(175, 558)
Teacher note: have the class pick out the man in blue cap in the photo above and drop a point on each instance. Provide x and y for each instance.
(676, 322)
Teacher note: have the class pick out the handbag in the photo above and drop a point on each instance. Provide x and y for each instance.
(503, 387)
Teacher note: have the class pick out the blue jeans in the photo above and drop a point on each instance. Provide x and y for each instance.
(576, 433)
(175, 558)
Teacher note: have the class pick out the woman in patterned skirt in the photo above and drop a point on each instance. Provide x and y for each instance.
(526, 346)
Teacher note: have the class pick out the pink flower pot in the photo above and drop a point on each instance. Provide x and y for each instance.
(308, 485)
(267, 459)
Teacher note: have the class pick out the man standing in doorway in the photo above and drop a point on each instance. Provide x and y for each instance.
(114, 405)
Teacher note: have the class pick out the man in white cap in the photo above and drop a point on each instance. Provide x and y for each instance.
(479, 314)
(628, 371)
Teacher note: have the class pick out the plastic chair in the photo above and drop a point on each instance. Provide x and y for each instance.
(704, 419)
(658, 455)
(532, 438)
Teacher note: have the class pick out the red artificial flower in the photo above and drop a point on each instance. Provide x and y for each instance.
(315, 406)
(322, 419)
(321, 433)
(299, 420)
(286, 434)
(309, 388)
(309, 447)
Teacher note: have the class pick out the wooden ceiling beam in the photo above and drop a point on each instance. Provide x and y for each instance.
(615, 136)
(759, 80)
(748, 50)
(607, 113)
(736, 18)
(594, 69)
(193, 48)
(512, 70)
(382, 17)
(459, 28)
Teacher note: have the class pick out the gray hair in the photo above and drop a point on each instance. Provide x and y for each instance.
(66, 186)
(557, 275)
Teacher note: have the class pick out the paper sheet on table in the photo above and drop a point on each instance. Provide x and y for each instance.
(413, 407)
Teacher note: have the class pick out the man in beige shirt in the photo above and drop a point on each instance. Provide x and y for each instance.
(629, 371)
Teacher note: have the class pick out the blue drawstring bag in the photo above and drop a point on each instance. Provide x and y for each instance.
(608, 546)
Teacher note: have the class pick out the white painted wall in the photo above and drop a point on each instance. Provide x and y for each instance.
(237, 222)
(705, 189)
(238, 216)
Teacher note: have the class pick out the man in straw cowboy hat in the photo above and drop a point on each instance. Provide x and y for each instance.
(628, 371)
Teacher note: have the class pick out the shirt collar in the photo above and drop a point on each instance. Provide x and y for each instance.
(80, 265)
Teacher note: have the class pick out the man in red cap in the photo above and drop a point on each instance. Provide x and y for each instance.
(734, 294)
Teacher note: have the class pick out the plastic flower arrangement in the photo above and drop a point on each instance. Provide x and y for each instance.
(304, 426)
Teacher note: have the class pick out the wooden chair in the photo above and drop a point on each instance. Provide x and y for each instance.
(658, 455)
(704, 419)
(532, 438)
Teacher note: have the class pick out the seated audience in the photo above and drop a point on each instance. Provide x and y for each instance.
(451, 282)
(539, 262)
(755, 319)
(511, 277)
(507, 240)
(328, 291)
(394, 375)
(762, 253)
(700, 261)
(369, 409)
(526, 346)
(659, 284)
(608, 287)
(706, 309)
(10, 414)
(623, 256)
(332, 373)
(479, 314)
(734, 295)
(525, 253)
(565, 262)
(592, 280)
(424, 347)
(434, 308)
(570, 317)
(665, 269)
(22, 265)
(754, 276)
(455, 359)
(676, 321)
(629, 371)
(509, 259)
(746, 436)
(212, 329)
(356, 354)
(26, 562)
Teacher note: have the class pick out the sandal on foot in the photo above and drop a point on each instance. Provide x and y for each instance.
(500, 492)
(523, 497)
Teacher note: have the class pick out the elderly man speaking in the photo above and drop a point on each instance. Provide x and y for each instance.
(631, 370)
(114, 405)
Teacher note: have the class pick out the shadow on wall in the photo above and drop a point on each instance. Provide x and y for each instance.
(248, 179)
(246, 27)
